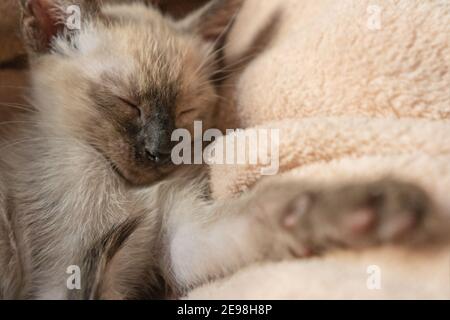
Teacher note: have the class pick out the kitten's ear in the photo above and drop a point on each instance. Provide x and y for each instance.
(42, 20)
(213, 20)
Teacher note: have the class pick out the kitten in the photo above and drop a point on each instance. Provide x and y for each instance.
(91, 183)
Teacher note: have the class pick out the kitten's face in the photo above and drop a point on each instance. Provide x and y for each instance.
(124, 85)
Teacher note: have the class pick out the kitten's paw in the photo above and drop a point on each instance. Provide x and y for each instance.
(311, 219)
(359, 215)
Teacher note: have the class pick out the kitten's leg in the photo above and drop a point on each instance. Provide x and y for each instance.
(281, 220)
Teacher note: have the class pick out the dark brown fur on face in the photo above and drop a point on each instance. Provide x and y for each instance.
(138, 134)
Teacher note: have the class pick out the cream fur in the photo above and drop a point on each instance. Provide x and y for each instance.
(352, 104)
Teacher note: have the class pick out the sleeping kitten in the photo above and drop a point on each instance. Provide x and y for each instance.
(90, 182)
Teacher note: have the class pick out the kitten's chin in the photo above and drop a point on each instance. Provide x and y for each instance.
(136, 174)
(144, 177)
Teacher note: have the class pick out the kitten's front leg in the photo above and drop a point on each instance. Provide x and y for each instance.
(282, 220)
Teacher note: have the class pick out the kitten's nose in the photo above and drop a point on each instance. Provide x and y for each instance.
(156, 155)
(156, 139)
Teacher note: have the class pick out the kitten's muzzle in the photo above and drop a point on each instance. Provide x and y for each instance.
(156, 142)
(159, 157)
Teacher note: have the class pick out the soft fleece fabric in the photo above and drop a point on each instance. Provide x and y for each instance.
(355, 100)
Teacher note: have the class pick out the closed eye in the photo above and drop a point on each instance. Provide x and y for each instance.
(130, 104)
(186, 112)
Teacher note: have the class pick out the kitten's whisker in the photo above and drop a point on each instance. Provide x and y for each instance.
(17, 106)
(237, 63)
(4, 123)
(221, 37)
(45, 139)
(15, 87)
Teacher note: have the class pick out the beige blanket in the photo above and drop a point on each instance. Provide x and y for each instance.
(359, 90)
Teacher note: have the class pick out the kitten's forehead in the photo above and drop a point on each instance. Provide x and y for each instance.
(143, 57)
(155, 64)
(134, 51)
